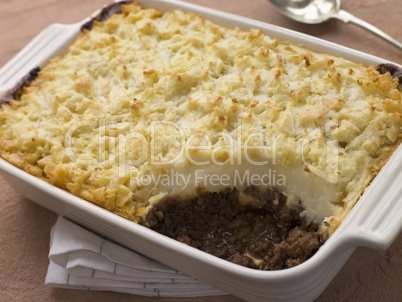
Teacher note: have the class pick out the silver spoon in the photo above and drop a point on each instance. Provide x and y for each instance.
(317, 11)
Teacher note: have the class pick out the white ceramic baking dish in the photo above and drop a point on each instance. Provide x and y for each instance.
(375, 221)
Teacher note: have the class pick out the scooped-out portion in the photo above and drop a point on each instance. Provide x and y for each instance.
(269, 237)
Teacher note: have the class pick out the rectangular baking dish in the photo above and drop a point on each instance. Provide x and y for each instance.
(374, 222)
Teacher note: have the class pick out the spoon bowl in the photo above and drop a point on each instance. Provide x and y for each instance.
(318, 11)
(308, 11)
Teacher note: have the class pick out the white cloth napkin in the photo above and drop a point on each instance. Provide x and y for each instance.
(80, 259)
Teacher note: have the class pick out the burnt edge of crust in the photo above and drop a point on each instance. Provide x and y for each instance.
(395, 71)
(105, 13)
(15, 92)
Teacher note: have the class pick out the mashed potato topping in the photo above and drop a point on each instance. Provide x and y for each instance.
(148, 106)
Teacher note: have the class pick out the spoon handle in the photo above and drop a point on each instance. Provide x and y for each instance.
(348, 17)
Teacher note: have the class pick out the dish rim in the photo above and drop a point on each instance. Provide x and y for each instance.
(340, 242)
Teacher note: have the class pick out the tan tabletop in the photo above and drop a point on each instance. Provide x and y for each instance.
(369, 275)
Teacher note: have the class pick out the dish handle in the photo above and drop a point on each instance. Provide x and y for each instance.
(50, 42)
(379, 219)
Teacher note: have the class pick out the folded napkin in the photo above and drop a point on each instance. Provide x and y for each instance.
(80, 259)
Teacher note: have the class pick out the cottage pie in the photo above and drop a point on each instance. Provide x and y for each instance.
(241, 145)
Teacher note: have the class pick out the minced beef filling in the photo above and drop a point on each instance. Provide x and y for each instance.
(270, 237)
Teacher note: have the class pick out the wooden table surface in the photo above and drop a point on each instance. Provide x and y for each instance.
(369, 275)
